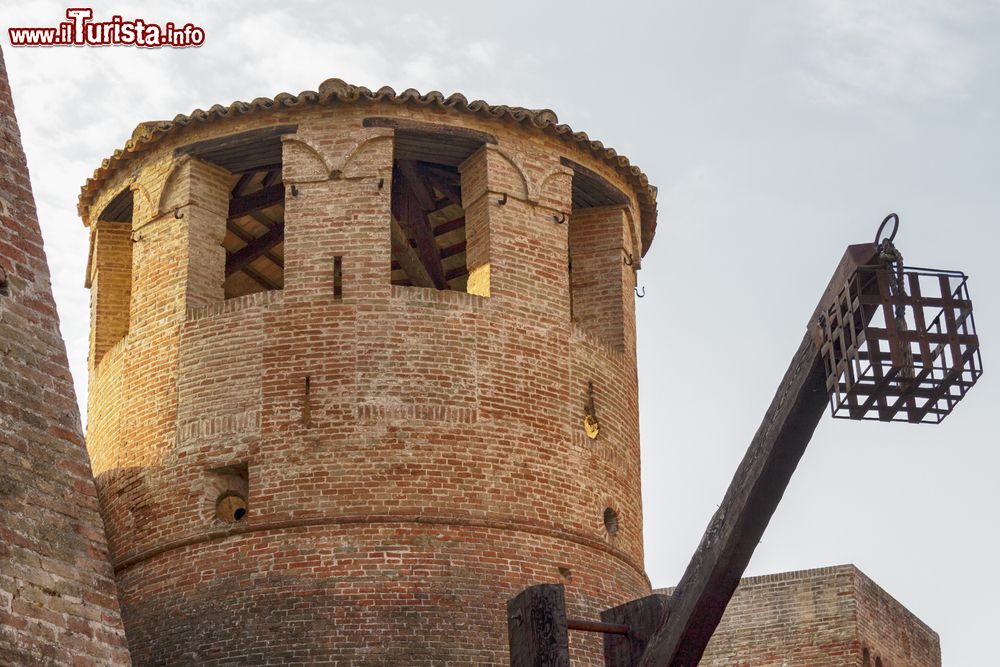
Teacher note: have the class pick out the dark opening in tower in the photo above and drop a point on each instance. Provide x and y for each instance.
(255, 225)
(428, 231)
(255, 232)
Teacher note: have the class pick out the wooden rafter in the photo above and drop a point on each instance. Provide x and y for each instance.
(456, 273)
(256, 201)
(443, 182)
(260, 278)
(240, 259)
(248, 238)
(413, 199)
(242, 184)
(263, 219)
(452, 250)
(440, 173)
(242, 204)
(407, 257)
(417, 184)
(449, 226)
(270, 177)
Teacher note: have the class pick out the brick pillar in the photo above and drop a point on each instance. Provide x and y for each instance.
(110, 283)
(476, 202)
(515, 249)
(345, 216)
(178, 263)
(205, 219)
(600, 281)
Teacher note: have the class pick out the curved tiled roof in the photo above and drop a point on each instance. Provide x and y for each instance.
(334, 91)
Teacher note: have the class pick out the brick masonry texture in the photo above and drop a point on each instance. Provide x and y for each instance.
(443, 465)
(58, 602)
(827, 617)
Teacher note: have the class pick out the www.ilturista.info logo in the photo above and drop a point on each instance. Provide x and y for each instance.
(80, 30)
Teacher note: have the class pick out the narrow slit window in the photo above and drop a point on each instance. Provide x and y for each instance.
(338, 277)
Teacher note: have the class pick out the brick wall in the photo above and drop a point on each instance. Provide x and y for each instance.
(828, 617)
(110, 283)
(437, 463)
(889, 632)
(599, 274)
(58, 602)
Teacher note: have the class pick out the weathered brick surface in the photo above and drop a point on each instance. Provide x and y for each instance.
(58, 602)
(828, 617)
(437, 464)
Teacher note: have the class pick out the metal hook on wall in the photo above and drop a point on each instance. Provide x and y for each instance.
(503, 200)
(627, 259)
(643, 291)
(559, 219)
(381, 183)
(295, 191)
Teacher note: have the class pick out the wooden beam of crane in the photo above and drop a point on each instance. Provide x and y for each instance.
(698, 602)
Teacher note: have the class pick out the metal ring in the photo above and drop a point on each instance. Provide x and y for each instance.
(895, 228)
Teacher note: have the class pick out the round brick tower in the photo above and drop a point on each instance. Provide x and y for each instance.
(362, 368)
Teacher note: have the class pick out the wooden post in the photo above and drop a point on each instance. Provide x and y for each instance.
(536, 627)
(643, 617)
(700, 599)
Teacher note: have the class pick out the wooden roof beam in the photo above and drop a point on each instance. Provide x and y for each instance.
(238, 260)
(416, 201)
(242, 184)
(271, 176)
(407, 257)
(255, 201)
(449, 226)
(261, 279)
(248, 238)
(446, 186)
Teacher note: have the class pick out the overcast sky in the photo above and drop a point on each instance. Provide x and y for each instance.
(778, 133)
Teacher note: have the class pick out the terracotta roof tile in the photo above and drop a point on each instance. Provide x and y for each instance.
(333, 91)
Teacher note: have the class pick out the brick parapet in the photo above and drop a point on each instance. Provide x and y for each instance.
(830, 616)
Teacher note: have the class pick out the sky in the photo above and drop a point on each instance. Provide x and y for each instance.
(778, 133)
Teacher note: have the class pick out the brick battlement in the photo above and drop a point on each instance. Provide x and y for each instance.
(829, 616)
